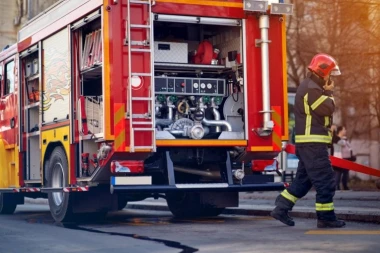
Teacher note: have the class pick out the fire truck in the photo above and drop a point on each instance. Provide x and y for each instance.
(104, 102)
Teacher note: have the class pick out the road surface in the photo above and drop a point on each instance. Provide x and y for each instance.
(31, 229)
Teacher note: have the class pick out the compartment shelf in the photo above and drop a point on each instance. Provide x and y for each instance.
(161, 66)
(93, 72)
(184, 66)
(31, 78)
(33, 134)
(35, 181)
(33, 105)
(91, 136)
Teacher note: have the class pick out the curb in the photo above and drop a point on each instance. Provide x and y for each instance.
(258, 211)
(308, 215)
(355, 217)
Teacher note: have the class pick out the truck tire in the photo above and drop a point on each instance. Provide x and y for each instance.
(208, 211)
(378, 184)
(121, 204)
(60, 203)
(188, 205)
(7, 204)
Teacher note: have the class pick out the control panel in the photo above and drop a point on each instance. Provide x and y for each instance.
(189, 86)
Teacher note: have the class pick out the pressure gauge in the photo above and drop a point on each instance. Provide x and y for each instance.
(195, 85)
(209, 86)
(203, 85)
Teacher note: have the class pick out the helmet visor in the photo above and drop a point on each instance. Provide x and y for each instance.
(335, 71)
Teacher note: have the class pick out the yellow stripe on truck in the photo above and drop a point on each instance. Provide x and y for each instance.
(285, 137)
(106, 74)
(277, 130)
(119, 122)
(261, 148)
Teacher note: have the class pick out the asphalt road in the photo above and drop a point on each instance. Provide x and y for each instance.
(31, 229)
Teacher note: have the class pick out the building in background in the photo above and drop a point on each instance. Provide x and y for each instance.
(15, 13)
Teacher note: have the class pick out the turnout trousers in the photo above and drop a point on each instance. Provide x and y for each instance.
(314, 169)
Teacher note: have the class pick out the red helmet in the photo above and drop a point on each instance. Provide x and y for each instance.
(324, 65)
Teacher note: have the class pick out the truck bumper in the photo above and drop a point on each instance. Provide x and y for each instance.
(214, 187)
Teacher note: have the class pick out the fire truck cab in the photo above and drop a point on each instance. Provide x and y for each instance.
(109, 101)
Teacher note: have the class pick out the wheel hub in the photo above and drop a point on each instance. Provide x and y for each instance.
(57, 182)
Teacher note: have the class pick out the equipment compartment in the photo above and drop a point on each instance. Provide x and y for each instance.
(30, 121)
(200, 96)
(88, 62)
(87, 44)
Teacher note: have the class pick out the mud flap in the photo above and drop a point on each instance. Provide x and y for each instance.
(220, 199)
(101, 200)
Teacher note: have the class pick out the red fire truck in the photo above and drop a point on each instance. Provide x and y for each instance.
(109, 101)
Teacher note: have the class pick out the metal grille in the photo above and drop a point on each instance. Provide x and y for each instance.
(229, 40)
(94, 113)
(170, 52)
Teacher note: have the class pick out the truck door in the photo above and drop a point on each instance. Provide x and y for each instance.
(8, 104)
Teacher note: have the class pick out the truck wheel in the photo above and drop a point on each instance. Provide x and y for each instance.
(92, 217)
(60, 203)
(184, 205)
(187, 205)
(378, 184)
(121, 204)
(7, 204)
(208, 211)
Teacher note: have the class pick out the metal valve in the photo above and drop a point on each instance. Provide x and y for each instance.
(239, 174)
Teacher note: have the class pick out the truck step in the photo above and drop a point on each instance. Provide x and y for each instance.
(143, 147)
(205, 185)
(139, 2)
(143, 50)
(142, 98)
(142, 74)
(144, 129)
(142, 122)
(140, 26)
(144, 43)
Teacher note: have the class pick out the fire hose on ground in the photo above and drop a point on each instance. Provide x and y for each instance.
(342, 163)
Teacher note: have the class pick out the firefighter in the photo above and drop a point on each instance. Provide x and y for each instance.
(313, 109)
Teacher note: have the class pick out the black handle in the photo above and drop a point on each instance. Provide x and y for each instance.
(13, 122)
(162, 46)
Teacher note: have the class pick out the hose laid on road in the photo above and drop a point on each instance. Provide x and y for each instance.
(342, 163)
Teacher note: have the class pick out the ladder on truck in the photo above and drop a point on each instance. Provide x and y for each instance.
(148, 123)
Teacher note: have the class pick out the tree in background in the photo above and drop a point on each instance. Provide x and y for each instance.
(349, 31)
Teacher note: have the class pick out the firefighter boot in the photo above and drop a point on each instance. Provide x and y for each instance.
(282, 215)
(330, 224)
